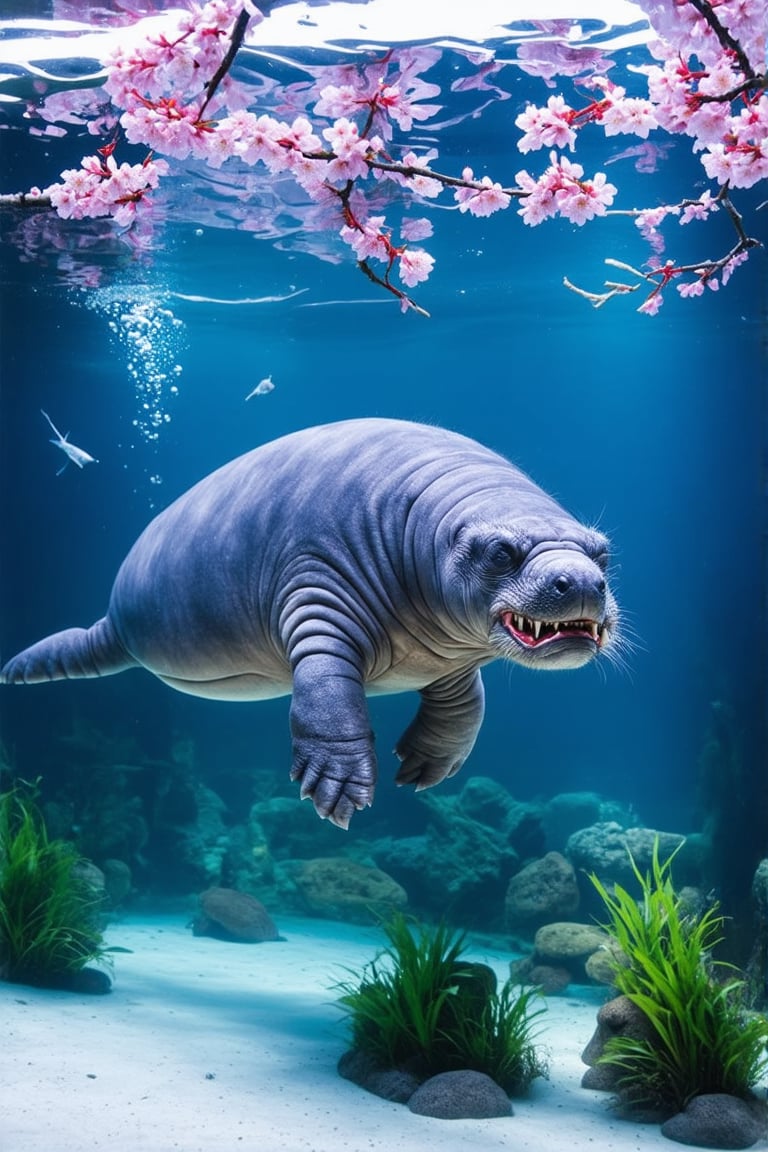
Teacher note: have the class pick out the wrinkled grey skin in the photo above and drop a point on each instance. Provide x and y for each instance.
(367, 556)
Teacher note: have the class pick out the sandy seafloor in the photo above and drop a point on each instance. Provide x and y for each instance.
(204, 1045)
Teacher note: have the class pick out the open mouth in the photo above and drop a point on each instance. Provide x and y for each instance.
(533, 632)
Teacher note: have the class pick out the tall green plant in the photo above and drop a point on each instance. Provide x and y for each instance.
(48, 916)
(418, 1004)
(703, 1038)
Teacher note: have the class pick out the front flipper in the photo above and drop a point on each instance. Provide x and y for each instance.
(444, 730)
(333, 754)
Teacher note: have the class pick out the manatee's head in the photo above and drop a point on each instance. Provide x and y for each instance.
(536, 591)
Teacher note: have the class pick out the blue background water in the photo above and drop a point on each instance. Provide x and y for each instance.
(653, 428)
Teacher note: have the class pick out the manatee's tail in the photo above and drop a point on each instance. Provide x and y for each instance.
(68, 655)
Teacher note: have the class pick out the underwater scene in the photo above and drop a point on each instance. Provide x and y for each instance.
(383, 571)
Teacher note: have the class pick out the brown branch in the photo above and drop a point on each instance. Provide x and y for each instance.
(757, 80)
(403, 297)
(235, 40)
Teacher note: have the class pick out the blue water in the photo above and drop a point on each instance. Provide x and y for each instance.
(654, 428)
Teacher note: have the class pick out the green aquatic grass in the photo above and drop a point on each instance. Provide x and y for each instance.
(704, 1040)
(419, 1005)
(48, 916)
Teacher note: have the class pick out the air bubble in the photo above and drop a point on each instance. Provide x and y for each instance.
(142, 322)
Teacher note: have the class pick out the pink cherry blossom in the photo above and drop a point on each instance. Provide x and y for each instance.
(728, 269)
(415, 265)
(562, 190)
(546, 127)
(629, 115)
(482, 201)
(651, 305)
(349, 150)
(368, 240)
(699, 209)
(691, 288)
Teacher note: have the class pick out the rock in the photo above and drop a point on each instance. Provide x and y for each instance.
(117, 881)
(485, 800)
(549, 978)
(544, 890)
(605, 849)
(91, 981)
(567, 812)
(567, 940)
(460, 1095)
(229, 915)
(619, 1017)
(342, 889)
(457, 865)
(395, 1084)
(290, 830)
(601, 965)
(715, 1121)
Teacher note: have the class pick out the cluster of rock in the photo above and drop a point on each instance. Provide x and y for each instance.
(462, 1094)
(568, 952)
(710, 1120)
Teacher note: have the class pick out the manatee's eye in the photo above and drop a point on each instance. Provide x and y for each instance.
(502, 556)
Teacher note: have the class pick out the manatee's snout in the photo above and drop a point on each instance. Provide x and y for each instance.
(560, 612)
(568, 584)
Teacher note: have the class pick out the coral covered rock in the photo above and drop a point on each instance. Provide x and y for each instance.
(568, 812)
(229, 915)
(605, 849)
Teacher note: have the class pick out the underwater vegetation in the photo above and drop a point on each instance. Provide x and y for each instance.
(49, 929)
(419, 1006)
(703, 1040)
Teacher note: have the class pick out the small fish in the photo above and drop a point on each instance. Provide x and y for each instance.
(77, 455)
(261, 388)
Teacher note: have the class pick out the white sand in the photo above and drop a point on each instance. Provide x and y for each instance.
(205, 1046)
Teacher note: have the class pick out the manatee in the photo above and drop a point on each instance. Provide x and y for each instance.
(361, 557)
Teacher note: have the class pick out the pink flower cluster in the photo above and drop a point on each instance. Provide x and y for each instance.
(181, 59)
(173, 97)
(482, 197)
(101, 187)
(554, 126)
(561, 190)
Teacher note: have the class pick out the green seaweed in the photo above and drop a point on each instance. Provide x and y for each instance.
(703, 1038)
(48, 914)
(420, 1006)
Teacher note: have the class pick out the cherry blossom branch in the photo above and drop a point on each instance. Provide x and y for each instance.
(708, 14)
(235, 42)
(161, 88)
(705, 271)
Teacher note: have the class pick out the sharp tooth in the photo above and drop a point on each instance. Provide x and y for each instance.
(555, 625)
(536, 628)
(594, 630)
(518, 622)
